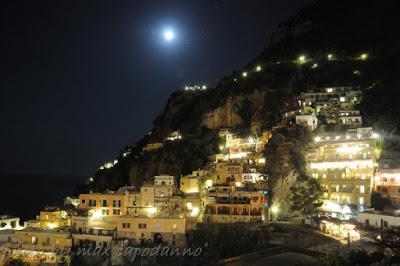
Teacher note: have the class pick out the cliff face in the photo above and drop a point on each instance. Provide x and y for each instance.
(343, 28)
(237, 111)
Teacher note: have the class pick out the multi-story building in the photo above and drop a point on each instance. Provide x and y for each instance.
(344, 164)
(53, 217)
(231, 204)
(310, 121)
(139, 230)
(8, 222)
(350, 118)
(189, 184)
(108, 203)
(334, 95)
(226, 171)
(36, 246)
(387, 177)
(91, 232)
(381, 220)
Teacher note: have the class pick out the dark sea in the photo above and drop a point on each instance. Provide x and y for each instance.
(25, 195)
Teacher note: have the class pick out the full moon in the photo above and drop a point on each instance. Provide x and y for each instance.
(169, 35)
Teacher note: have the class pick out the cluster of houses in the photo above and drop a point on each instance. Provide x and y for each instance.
(232, 188)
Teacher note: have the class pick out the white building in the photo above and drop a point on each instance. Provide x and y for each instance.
(379, 219)
(350, 118)
(10, 222)
(311, 121)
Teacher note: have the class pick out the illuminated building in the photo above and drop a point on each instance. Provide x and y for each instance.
(138, 230)
(344, 165)
(153, 146)
(162, 198)
(8, 222)
(34, 245)
(331, 95)
(53, 217)
(350, 118)
(387, 177)
(376, 219)
(226, 171)
(310, 121)
(103, 204)
(163, 189)
(231, 204)
(91, 232)
(189, 184)
(174, 135)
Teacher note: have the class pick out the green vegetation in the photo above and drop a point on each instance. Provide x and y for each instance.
(306, 197)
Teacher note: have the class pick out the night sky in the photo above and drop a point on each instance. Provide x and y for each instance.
(81, 79)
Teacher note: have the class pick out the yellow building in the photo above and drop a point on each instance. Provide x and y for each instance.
(37, 245)
(153, 146)
(344, 164)
(104, 204)
(142, 229)
(91, 232)
(226, 171)
(231, 204)
(189, 184)
(51, 218)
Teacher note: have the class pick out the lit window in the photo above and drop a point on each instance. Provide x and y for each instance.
(362, 189)
(361, 200)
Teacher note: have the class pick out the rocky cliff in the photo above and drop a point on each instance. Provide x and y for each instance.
(256, 102)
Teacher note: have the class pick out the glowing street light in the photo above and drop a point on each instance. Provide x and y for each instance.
(274, 209)
(315, 65)
(302, 59)
(330, 56)
(244, 74)
(151, 210)
(364, 56)
(258, 68)
(96, 214)
(195, 212)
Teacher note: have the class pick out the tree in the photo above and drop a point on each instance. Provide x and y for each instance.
(391, 239)
(378, 202)
(306, 197)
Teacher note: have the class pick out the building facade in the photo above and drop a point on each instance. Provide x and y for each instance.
(345, 164)
(231, 204)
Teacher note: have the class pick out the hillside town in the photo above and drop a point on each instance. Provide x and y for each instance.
(234, 187)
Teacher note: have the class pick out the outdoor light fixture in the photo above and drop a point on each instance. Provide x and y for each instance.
(258, 68)
(244, 74)
(364, 56)
(302, 59)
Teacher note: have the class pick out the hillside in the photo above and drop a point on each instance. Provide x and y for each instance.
(320, 46)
